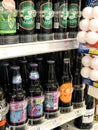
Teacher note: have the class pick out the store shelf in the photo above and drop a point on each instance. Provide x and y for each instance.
(25, 49)
(63, 118)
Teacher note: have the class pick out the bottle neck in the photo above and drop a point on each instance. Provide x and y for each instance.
(77, 78)
(16, 80)
(51, 73)
(67, 70)
(24, 74)
(5, 81)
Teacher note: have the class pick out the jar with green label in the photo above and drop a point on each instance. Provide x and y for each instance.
(44, 19)
(8, 15)
(60, 18)
(26, 20)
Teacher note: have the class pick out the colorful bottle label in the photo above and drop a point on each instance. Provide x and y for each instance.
(51, 100)
(18, 112)
(35, 106)
(27, 15)
(63, 15)
(73, 15)
(46, 15)
(17, 79)
(66, 92)
(88, 117)
(7, 17)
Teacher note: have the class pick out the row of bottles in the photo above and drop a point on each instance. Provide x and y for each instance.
(28, 18)
(29, 96)
(33, 95)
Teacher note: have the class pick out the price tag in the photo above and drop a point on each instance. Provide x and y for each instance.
(83, 49)
(78, 112)
(93, 91)
(56, 122)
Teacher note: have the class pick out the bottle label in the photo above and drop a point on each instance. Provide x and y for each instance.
(35, 106)
(88, 117)
(18, 112)
(2, 106)
(51, 100)
(27, 15)
(3, 122)
(96, 112)
(17, 79)
(7, 17)
(63, 15)
(46, 15)
(73, 15)
(66, 92)
(34, 75)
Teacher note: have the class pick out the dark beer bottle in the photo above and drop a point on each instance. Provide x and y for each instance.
(16, 97)
(44, 19)
(2, 114)
(5, 76)
(66, 88)
(86, 121)
(73, 17)
(24, 73)
(26, 20)
(8, 15)
(35, 96)
(78, 90)
(51, 92)
(60, 18)
(40, 62)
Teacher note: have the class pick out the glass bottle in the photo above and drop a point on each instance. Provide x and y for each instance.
(40, 61)
(51, 92)
(86, 121)
(73, 17)
(78, 90)
(16, 97)
(24, 73)
(3, 120)
(26, 20)
(5, 76)
(60, 18)
(44, 19)
(35, 96)
(8, 15)
(66, 88)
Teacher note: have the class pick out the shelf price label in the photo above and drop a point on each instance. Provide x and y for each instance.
(87, 50)
(90, 82)
(56, 122)
(78, 113)
(83, 49)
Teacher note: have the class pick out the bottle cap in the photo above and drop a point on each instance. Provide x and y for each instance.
(50, 61)
(15, 67)
(6, 64)
(33, 64)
